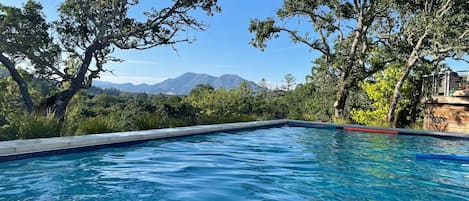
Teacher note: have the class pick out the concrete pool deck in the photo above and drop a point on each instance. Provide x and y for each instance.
(20, 149)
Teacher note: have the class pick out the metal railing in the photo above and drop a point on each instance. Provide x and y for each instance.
(445, 83)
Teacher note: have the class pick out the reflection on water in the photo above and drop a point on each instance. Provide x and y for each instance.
(267, 164)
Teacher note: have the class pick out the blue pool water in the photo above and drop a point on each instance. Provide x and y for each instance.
(288, 163)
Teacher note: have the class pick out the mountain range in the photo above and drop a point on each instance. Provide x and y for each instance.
(181, 85)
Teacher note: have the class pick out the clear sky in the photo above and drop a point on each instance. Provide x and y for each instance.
(222, 49)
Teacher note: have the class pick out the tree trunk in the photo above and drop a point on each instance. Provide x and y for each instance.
(61, 100)
(57, 104)
(342, 95)
(414, 56)
(396, 95)
(23, 86)
(416, 101)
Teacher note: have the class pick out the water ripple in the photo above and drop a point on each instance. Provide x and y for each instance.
(268, 164)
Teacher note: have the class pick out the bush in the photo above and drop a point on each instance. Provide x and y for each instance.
(340, 120)
(147, 121)
(37, 126)
(417, 125)
(7, 132)
(171, 122)
(380, 123)
(94, 125)
(229, 119)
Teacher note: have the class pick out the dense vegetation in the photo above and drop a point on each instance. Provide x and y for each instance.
(373, 58)
(99, 111)
(108, 110)
(360, 39)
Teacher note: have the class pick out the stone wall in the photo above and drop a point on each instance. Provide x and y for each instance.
(449, 114)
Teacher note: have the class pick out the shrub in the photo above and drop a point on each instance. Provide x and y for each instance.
(418, 125)
(147, 121)
(37, 126)
(340, 120)
(171, 122)
(380, 123)
(94, 125)
(228, 119)
(7, 132)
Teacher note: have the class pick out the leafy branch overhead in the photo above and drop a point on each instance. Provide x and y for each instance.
(105, 25)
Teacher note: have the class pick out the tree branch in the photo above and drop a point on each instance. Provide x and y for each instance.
(302, 40)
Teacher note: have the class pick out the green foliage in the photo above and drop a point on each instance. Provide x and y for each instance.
(36, 126)
(417, 125)
(314, 100)
(221, 103)
(363, 48)
(101, 112)
(310, 103)
(340, 120)
(264, 30)
(86, 32)
(7, 132)
(10, 100)
(95, 125)
(176, 122)
(425, 32)
(24, 34)
(147, 121)
(98, 27)
(340, 32)
(379, 90)
(232, 119)
(289, 81)
(14, 123)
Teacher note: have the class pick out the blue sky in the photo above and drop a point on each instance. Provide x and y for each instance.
(222, 49)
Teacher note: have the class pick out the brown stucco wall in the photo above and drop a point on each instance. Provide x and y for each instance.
(449, 114)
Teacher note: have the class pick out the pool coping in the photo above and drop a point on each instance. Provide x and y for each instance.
(374, 129)
(20, 149)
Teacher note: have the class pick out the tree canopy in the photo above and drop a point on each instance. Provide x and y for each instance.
(341, 31)
(360, 38)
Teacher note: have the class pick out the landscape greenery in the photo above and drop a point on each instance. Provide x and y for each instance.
(374, 55)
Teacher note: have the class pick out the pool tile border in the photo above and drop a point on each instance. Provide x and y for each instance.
(21, 149)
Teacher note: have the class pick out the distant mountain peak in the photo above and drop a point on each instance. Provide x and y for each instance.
(181, 85)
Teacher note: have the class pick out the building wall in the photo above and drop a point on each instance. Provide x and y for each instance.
(449, 114)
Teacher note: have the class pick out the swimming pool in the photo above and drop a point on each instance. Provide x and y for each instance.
(286, 163)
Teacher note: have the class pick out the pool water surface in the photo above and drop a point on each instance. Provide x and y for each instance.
(287, 163)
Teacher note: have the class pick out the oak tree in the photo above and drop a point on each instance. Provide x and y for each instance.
(341, 32)
(88, 32)
(425, 32)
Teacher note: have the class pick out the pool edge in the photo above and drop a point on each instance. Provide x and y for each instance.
(21, 149)
(374, 129)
